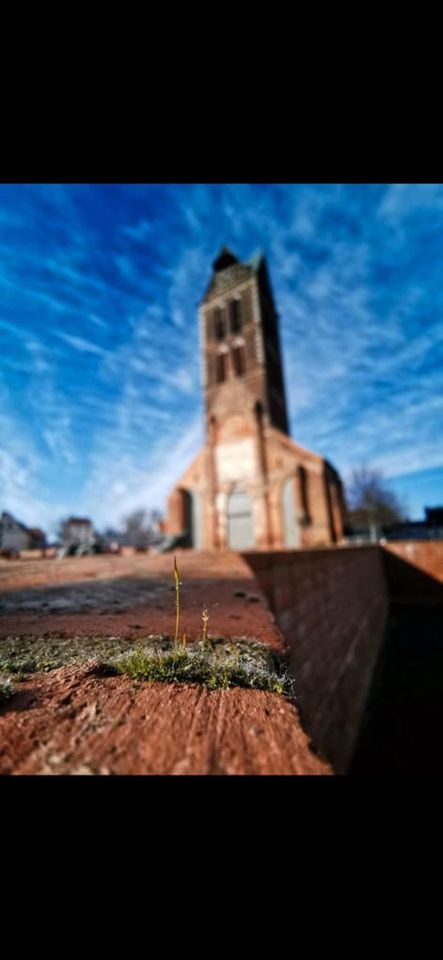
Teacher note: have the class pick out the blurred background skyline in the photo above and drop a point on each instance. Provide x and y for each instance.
(100, 392)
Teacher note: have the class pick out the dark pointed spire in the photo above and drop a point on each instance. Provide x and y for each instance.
(226, 258)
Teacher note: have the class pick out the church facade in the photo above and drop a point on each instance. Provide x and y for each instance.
(251, 486)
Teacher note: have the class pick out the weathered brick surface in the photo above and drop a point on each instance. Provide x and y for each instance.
(331, 606)
(70, 721)
(427, 555)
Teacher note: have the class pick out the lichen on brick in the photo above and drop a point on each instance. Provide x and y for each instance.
(7, 690)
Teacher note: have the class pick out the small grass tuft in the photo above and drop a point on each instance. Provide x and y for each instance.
(252, 665)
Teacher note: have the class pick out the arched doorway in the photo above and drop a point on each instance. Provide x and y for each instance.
(240, 522)
(187, 516)
(290, 523)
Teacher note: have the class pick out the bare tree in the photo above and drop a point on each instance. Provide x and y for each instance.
(136, 527)
(372, 505)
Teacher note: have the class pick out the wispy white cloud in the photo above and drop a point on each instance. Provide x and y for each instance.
(98, 321)
(79, 343)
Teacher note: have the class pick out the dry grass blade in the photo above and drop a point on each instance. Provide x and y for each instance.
(177, 600)
(205, 621)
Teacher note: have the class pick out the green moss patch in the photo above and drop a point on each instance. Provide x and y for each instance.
(35, 654)
(218, 664)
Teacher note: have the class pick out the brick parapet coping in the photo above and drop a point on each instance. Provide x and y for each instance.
(325, 607)
(163, 729)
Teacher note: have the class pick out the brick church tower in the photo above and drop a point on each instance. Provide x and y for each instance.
(251, 485)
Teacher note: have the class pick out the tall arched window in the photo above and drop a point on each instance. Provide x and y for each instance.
(221, 367)
(235, 317)
(304, 492)
(219, 324)
(239, 359)
(210, 373)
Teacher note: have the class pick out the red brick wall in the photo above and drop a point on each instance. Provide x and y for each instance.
(176, 512)
(427, 555)
(331, 605)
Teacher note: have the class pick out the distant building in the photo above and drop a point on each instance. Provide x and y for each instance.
(38, 538)
(251, 485)
(15, 536)
(434, 516)
(77, 531)
(431, 528)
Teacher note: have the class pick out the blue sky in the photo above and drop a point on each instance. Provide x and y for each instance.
(100, 396)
